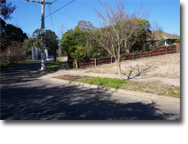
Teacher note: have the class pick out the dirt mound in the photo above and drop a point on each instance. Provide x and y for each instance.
(68, 77)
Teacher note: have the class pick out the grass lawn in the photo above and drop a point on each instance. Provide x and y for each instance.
(132, 86)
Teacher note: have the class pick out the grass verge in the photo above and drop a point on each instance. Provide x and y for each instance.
(6, 64)
(10, 64)
(164, 90)
(53, 67)
(106, 82)
(60, 59)
(158, 89)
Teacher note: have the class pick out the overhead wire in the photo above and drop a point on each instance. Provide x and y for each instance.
(36, 9)
(51, 18)
(61, 8)
(53, 1)
(59, 12)
(66, 15)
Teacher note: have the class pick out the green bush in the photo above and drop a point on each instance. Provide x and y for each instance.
(161, 42)
(149, 47)
(177, 41)
(74, 64)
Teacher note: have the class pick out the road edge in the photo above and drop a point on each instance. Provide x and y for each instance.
(139, 94)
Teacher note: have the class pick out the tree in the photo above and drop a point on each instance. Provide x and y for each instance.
(12, 37)
(51, 41)
(80, 40)
(6, 9)
(73, 44)
(5, 12)
(9, 34)
(27, 44)
(86, 28)
(119, 30)
(13, 53)
(79, 53)
(143, 35)
(156, 33)
(68, 42)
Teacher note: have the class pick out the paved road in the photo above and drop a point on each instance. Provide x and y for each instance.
(25, 96)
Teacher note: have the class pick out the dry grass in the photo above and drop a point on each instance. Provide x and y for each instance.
(154, 88)
(165, 66)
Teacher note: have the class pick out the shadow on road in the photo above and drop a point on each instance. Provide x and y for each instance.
(71, 103)
(21, 72)
(64, 102)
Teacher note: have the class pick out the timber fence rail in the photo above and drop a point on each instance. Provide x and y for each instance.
(107, 60)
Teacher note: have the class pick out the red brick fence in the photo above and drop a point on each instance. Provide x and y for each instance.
(106, 60)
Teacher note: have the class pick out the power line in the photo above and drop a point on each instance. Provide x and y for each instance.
(60, 8)
(67, 15)
(51, 17)
(54, 1)
(36, 9)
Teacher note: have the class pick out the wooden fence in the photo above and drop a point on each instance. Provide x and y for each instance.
(107, 60)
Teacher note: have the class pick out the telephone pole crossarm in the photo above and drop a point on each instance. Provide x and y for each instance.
(43, 2)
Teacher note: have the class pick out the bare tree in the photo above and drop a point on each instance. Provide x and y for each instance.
(13, 53)
(156, 33)
(119, 29)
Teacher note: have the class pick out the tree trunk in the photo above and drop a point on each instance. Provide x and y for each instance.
(54, 55)
(76, 62)
(119, 69)
(144, 47)
(127, 51)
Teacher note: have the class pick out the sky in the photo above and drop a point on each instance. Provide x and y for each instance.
(28, 14)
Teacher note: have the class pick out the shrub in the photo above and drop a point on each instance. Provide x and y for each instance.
(177, 41)
(13, 53)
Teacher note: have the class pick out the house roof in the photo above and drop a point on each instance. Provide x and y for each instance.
(164, 35)
(170, 36)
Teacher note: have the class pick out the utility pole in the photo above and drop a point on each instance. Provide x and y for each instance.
(42, 31)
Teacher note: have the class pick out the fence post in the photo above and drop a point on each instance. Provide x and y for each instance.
(166, 50)
(133, 55)
(111, 60)
(95, 61)
(149, 54)
(158, 50)
(140, 55)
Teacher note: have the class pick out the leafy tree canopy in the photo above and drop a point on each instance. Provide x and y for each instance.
(11, 33)
(79, 42)
(51, 41)
(6, 9)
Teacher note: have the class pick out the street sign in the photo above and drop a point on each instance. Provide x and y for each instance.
(42, 31)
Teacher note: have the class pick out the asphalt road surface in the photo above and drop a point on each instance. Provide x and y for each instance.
(24, 96)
